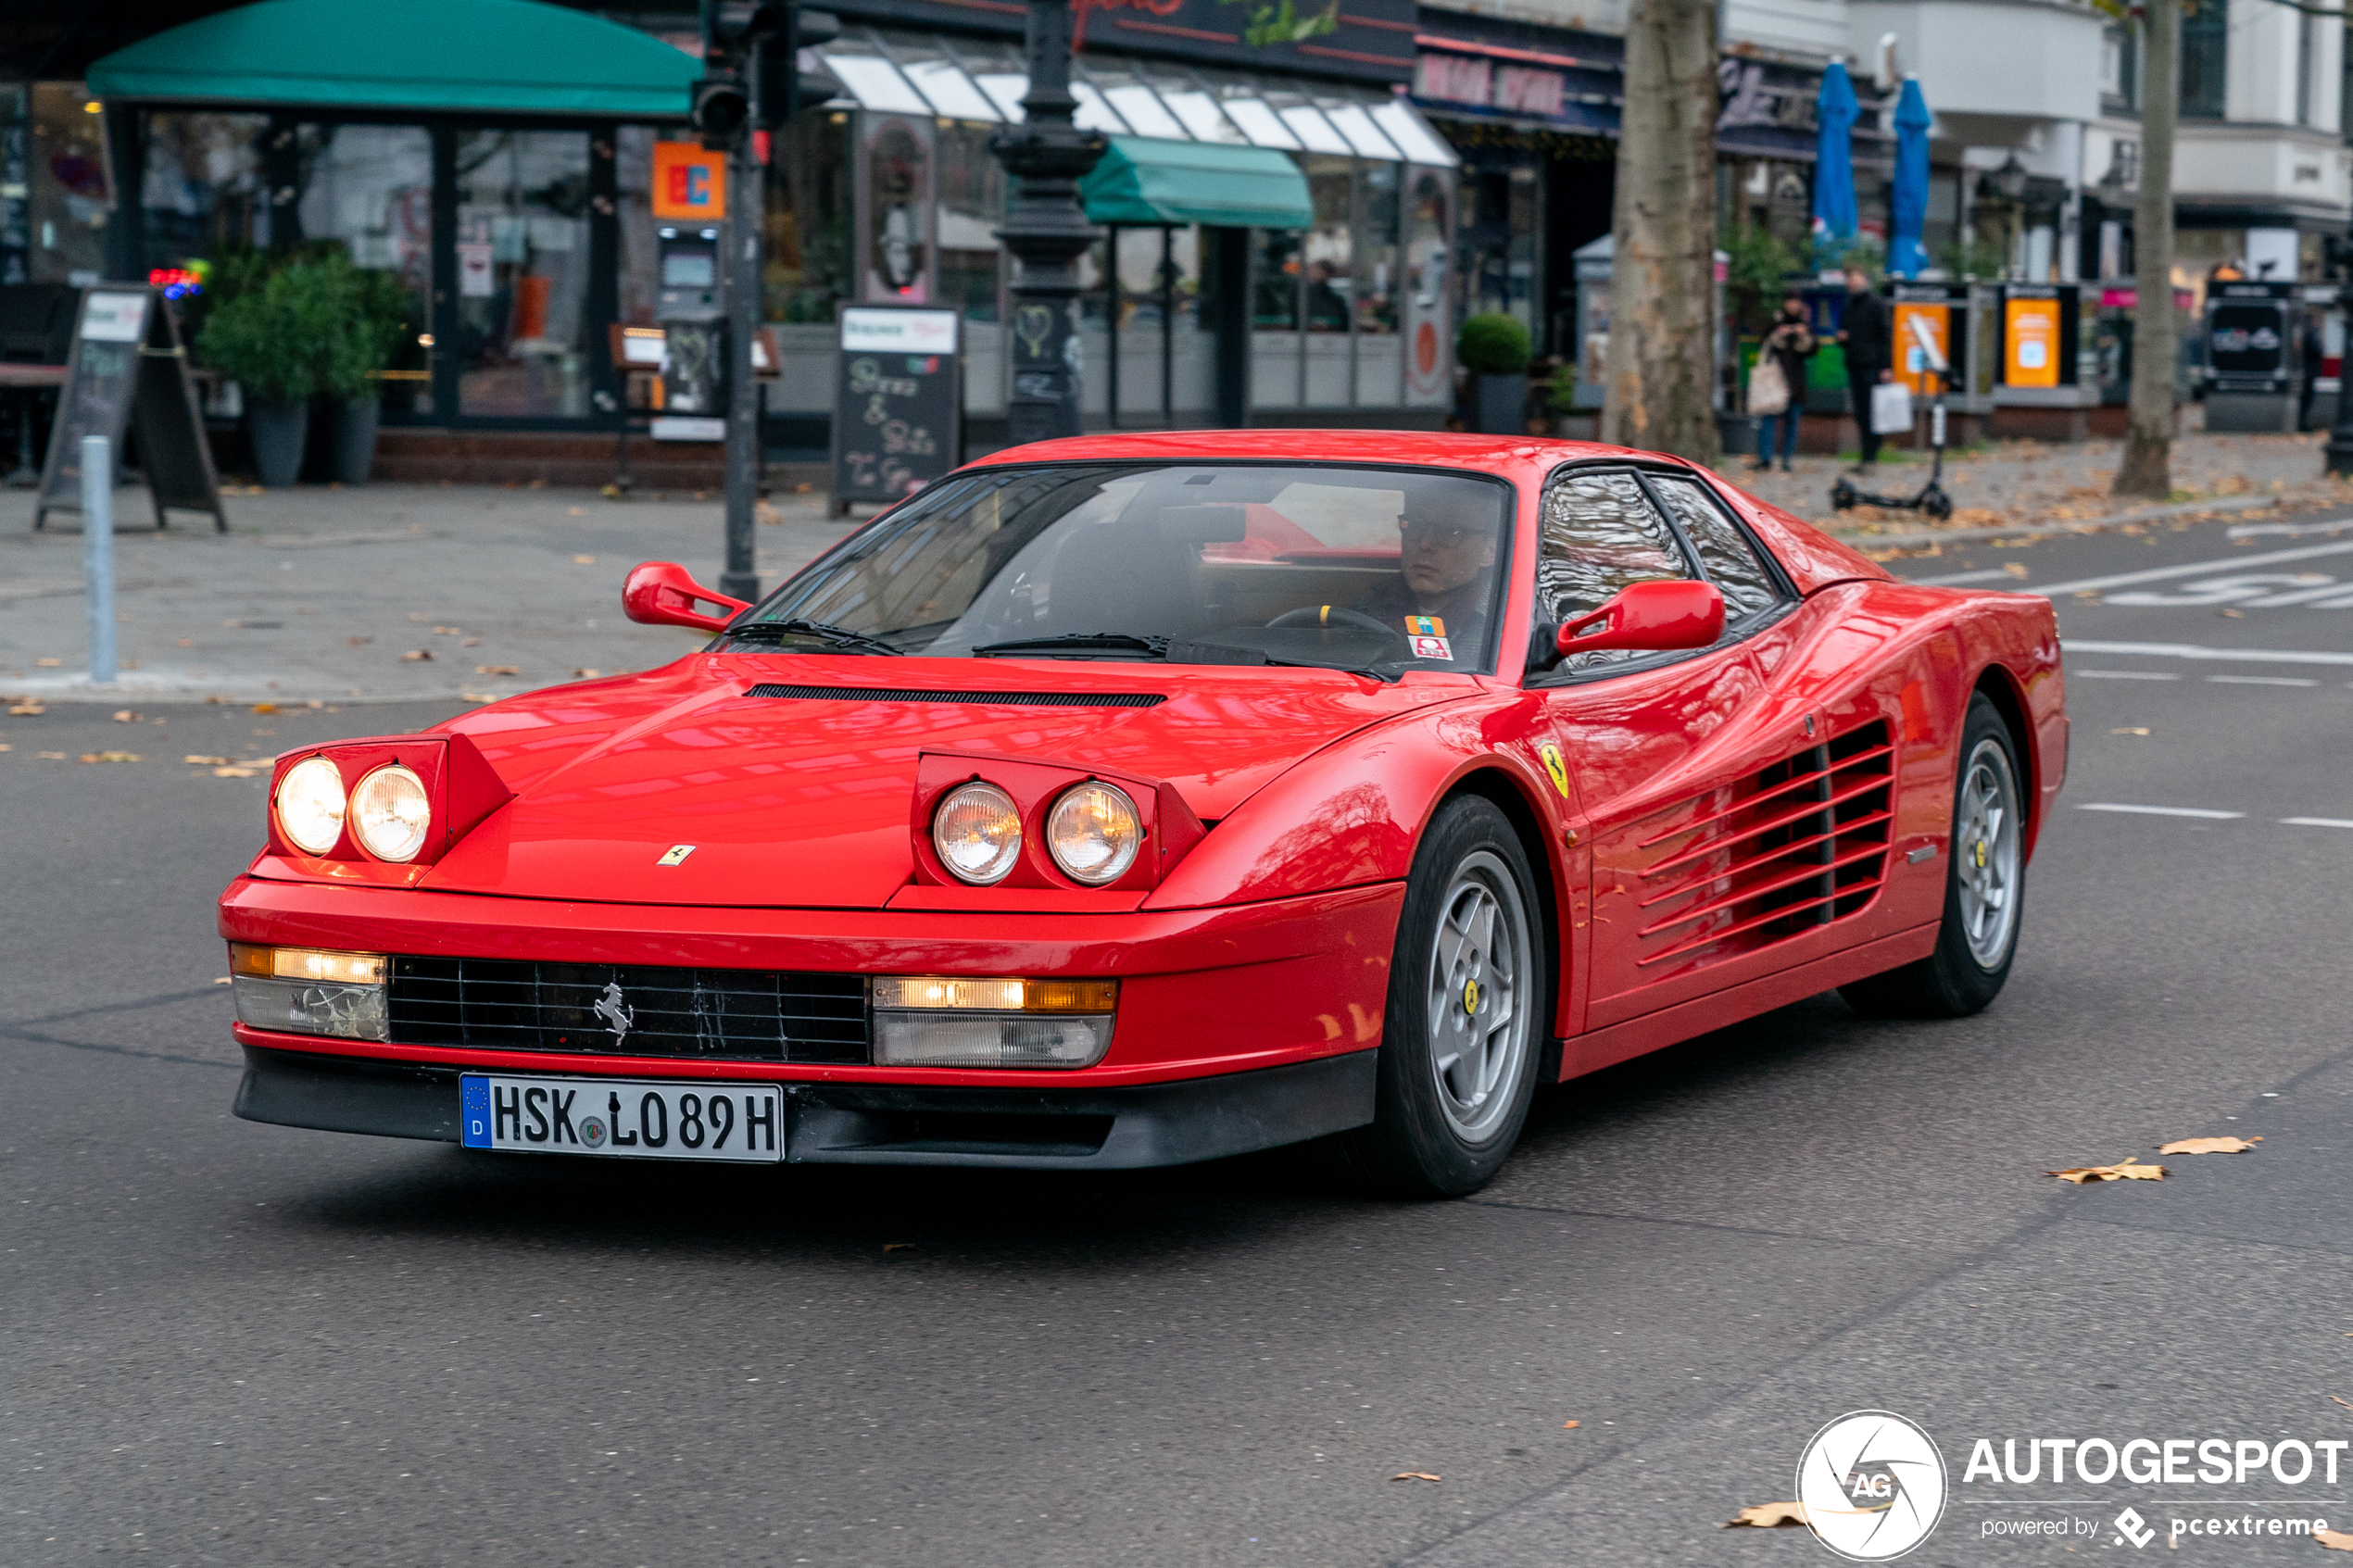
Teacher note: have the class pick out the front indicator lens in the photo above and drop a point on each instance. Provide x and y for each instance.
(981, 1039)
(1094, 833)
(300, 991)
(945, 993)
(977, 832)
(390, 813)
(310, 805)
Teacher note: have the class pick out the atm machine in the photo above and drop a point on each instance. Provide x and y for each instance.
(693, 328)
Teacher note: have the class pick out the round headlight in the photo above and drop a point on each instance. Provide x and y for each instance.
(311, 804)
(1094, 833)
(390, 813)
(977, 832)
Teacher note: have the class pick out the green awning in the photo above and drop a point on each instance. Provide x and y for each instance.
(1145, 181)
(480, 57)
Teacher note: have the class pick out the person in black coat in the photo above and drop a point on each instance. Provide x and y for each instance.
(1869, 338)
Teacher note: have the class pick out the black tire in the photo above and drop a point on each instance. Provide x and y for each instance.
(1440, 1130)
(1971, 963)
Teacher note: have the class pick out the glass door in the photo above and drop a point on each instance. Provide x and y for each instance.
(519, 327)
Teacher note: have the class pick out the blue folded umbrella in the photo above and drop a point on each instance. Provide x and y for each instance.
(1905, 257)
(1834, 162)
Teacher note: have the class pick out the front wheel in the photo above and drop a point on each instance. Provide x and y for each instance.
(1468, 993)
(1984, 877)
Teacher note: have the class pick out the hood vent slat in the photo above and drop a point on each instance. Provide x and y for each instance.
(988, 699)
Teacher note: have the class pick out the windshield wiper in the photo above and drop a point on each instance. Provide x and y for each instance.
(839, 636)
(1077, 641)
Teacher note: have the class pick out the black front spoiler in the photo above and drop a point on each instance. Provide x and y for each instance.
(1078, 1128)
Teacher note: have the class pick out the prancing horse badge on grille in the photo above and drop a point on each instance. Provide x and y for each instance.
(617, 1015)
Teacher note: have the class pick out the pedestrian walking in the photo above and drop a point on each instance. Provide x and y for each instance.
(1786, 348)
(1870, 357)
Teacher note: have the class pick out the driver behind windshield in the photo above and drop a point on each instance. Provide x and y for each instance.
(1442, 591)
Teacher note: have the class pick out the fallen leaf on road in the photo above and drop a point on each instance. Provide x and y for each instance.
(1769, 1516)
(899, 1246)
(49, 663)
(357, 642)
(51, 756)
(2131, 730)
(496, 669)
(235, 772)
(128, 716)
(2014, 569)
(110, 757)
(575, 511)
(194, 760)
(1412, 1475)
(2340, 1400)
(2089, 595)
(1568, 1426)
(583, 673)
(221, 979)
(185, 642)
(449, 630)
(766, 513)
(478, 696)
(30, 707)
(2232, 614)
(416, 655)
(2335, 1540)
(2124, 1170)
(583, 561)
(2209, 1145)
(6, 749)
(265, 707)
(471, 643)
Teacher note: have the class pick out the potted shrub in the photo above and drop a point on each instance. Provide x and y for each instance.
(274, 340)
(376, 324)
(1493, 348)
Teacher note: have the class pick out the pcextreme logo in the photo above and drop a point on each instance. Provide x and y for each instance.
(1874, 1485)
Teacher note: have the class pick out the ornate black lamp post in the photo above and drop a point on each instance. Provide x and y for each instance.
(1047, 231)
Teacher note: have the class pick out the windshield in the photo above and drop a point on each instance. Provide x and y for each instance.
(1374, 570)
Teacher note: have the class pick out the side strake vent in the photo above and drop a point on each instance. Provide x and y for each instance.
(988, 699)
(1800, 845)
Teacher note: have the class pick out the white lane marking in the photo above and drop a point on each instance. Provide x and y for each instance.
(2161, 810)
(2164, 573)
(2260, 681)
(2122, 675)
(2190, 650)
(1958, 578)
(2315, 823)
(2290, 530)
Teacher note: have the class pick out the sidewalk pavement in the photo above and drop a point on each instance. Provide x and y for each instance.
(332, 594)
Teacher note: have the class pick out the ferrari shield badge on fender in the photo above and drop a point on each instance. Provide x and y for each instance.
(676, 854)
(1555, 767)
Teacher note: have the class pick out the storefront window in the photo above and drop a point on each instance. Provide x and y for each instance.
(1330, 253)
(971, 205)
(521, 240)
(67, 193)
(808, 221)
(370, 187)
(1377, 279)
(1274, 281)
(204, 194)
(897, 206)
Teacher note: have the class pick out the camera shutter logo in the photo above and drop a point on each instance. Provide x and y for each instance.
(1874, 1485)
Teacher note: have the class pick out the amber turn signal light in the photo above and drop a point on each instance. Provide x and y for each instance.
(307, 963)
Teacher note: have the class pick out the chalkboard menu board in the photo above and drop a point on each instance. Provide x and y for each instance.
(127, 368)
(898, 402)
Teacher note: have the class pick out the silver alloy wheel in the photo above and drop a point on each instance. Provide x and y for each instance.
(1480, 985)
(1985, 853)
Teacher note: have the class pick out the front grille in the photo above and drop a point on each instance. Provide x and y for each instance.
(985, 699)
(735, 1014)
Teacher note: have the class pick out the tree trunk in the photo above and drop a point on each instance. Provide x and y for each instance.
(2147, 469)
(1662, 327)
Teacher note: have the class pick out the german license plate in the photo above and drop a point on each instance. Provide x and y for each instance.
(633, 1118)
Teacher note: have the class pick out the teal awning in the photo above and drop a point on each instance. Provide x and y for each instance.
(1144, 180)
(480, 57)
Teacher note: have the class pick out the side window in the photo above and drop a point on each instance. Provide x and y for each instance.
(1731, 562)
(1600, 533)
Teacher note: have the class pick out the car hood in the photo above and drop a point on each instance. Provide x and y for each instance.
(793, 776)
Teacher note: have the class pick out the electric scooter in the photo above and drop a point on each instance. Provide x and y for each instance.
(1932, 501)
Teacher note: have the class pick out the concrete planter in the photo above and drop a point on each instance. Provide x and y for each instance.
(281, 432)
(1501, 405)
(355, 427)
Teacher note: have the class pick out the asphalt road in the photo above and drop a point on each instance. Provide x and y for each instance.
(223, 1342)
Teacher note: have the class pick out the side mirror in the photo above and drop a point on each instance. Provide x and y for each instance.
(661, 592)
(1656, 617)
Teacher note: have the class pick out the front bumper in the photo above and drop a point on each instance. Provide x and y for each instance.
(1078, 1127)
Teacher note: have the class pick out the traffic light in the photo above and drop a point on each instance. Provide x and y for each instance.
(719, 110)
(780, 87)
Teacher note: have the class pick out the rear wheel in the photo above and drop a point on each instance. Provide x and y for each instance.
(1985, 877)
(1467, 993)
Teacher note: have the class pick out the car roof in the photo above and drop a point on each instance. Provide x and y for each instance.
(1515, 457)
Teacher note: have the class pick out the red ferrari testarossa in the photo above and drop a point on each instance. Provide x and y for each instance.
(1139, 800)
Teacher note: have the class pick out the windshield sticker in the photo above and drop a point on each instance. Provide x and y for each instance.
(1425, 626)
(1432, 648)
